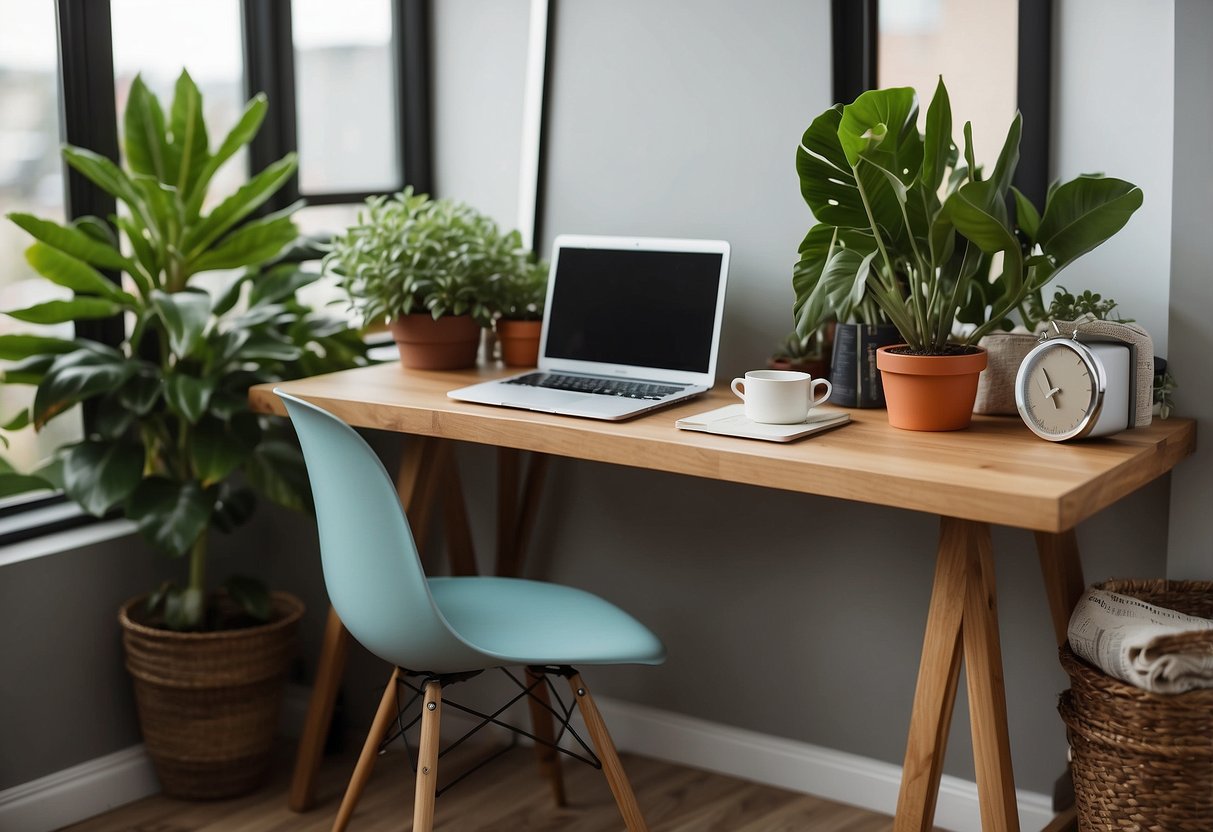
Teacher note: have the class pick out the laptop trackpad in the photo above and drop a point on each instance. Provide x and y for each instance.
(518, 395)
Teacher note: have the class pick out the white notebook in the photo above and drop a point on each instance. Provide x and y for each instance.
(730, 420)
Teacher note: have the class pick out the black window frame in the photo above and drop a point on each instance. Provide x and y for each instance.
(89, 119)
(272, 71)
(855, 29)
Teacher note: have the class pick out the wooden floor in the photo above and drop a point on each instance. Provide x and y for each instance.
(508, 794)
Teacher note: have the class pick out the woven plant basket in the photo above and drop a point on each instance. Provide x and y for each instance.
(1142, 761)
(208, 702)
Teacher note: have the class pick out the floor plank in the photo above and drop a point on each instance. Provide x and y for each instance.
(507, 794)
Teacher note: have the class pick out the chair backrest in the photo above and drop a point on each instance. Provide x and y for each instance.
(374, 577)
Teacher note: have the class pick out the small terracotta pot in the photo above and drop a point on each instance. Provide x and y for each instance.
(448, 343)
(930, 392)
(519, 342)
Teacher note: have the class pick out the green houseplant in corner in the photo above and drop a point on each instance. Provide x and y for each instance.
(424, 265)
(170, 425)
(908, 219)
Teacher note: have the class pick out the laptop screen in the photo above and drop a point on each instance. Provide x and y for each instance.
(639, 308)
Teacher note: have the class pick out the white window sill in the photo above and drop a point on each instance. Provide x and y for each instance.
(62, 541)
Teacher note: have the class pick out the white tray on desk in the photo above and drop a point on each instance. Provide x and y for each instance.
(730, 420)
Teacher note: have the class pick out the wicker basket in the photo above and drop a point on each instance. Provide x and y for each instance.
(208, 702)
(1142, 761)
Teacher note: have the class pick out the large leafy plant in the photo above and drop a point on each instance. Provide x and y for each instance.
(169, 424)
(410, 254)
(907, 220)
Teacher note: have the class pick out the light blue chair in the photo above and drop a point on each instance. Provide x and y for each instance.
(439, 631)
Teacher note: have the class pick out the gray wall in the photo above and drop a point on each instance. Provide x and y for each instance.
(1191, 547)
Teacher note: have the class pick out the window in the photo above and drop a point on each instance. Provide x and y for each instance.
(879, 43)
(31, 180)
(358, 102)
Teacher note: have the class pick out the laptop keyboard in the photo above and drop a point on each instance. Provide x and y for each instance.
(598, 386)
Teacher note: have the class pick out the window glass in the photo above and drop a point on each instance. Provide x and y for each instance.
(325, 221)
(158, 38)
(973, 44)
(31, 180)
(345, 91)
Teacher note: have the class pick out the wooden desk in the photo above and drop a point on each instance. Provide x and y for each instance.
(995, 472)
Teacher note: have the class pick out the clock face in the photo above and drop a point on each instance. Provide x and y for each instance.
(1058, 390)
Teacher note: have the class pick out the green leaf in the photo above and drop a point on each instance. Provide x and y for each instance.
(239, 205)
(279, 284)
(188, 395)
(140, 393)
(12, 484)
(65, 270)
(170, 515)
(938, 141)
(27, 370)
(252, 244)
(163, 210)
(75, 376)
(233, 508)
(97, 230)
(99, 475)
(185, 316)
(74, 241)
(187, 150)
(17, 422)
(1026, 216)
(103, 173)
(13, 347)
(268, 346)
(62, 311)
(251, 595)
(144, 133)
(231, 296)
(1083, 213)
(145, 253)
(1008, 157)
(881, 126)
(240, 135)
(111, 420)
(277, 470)
(979, 213)
(218, 448)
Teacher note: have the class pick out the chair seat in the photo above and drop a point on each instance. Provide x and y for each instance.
(530, 622)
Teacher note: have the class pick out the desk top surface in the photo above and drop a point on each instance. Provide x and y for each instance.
(996, 471)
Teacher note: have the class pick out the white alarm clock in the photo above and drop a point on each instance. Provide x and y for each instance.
(1067, 389)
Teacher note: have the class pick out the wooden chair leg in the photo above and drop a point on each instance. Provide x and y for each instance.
(625, 799)
(541, 724)
(427, 759)
(388, 710)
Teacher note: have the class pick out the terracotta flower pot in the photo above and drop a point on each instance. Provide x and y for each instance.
(519, 342)
(448, 343)
(930, 392)
(208, 702)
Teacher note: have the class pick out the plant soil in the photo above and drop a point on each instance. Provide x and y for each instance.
(948, 349)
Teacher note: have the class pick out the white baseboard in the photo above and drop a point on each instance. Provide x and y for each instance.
(79, 792)
(798, 766)
(98, 785)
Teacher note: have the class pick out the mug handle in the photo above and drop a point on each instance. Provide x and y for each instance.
(813, 385)
(738, 383)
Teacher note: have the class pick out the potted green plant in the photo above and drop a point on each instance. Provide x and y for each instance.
(808, 353)
(171, 443)
(425, 265)
(519, 295)
(908, 219)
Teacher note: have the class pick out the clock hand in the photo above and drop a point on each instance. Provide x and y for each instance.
(1049, 394)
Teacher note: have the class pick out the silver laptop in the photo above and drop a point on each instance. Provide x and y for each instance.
(630, 324)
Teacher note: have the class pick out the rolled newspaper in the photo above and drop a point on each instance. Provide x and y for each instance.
(1127, 638)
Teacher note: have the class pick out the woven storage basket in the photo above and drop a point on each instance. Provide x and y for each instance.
(1142, 762)
(208, 702)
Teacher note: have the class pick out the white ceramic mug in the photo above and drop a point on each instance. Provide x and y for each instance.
(779, 397)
